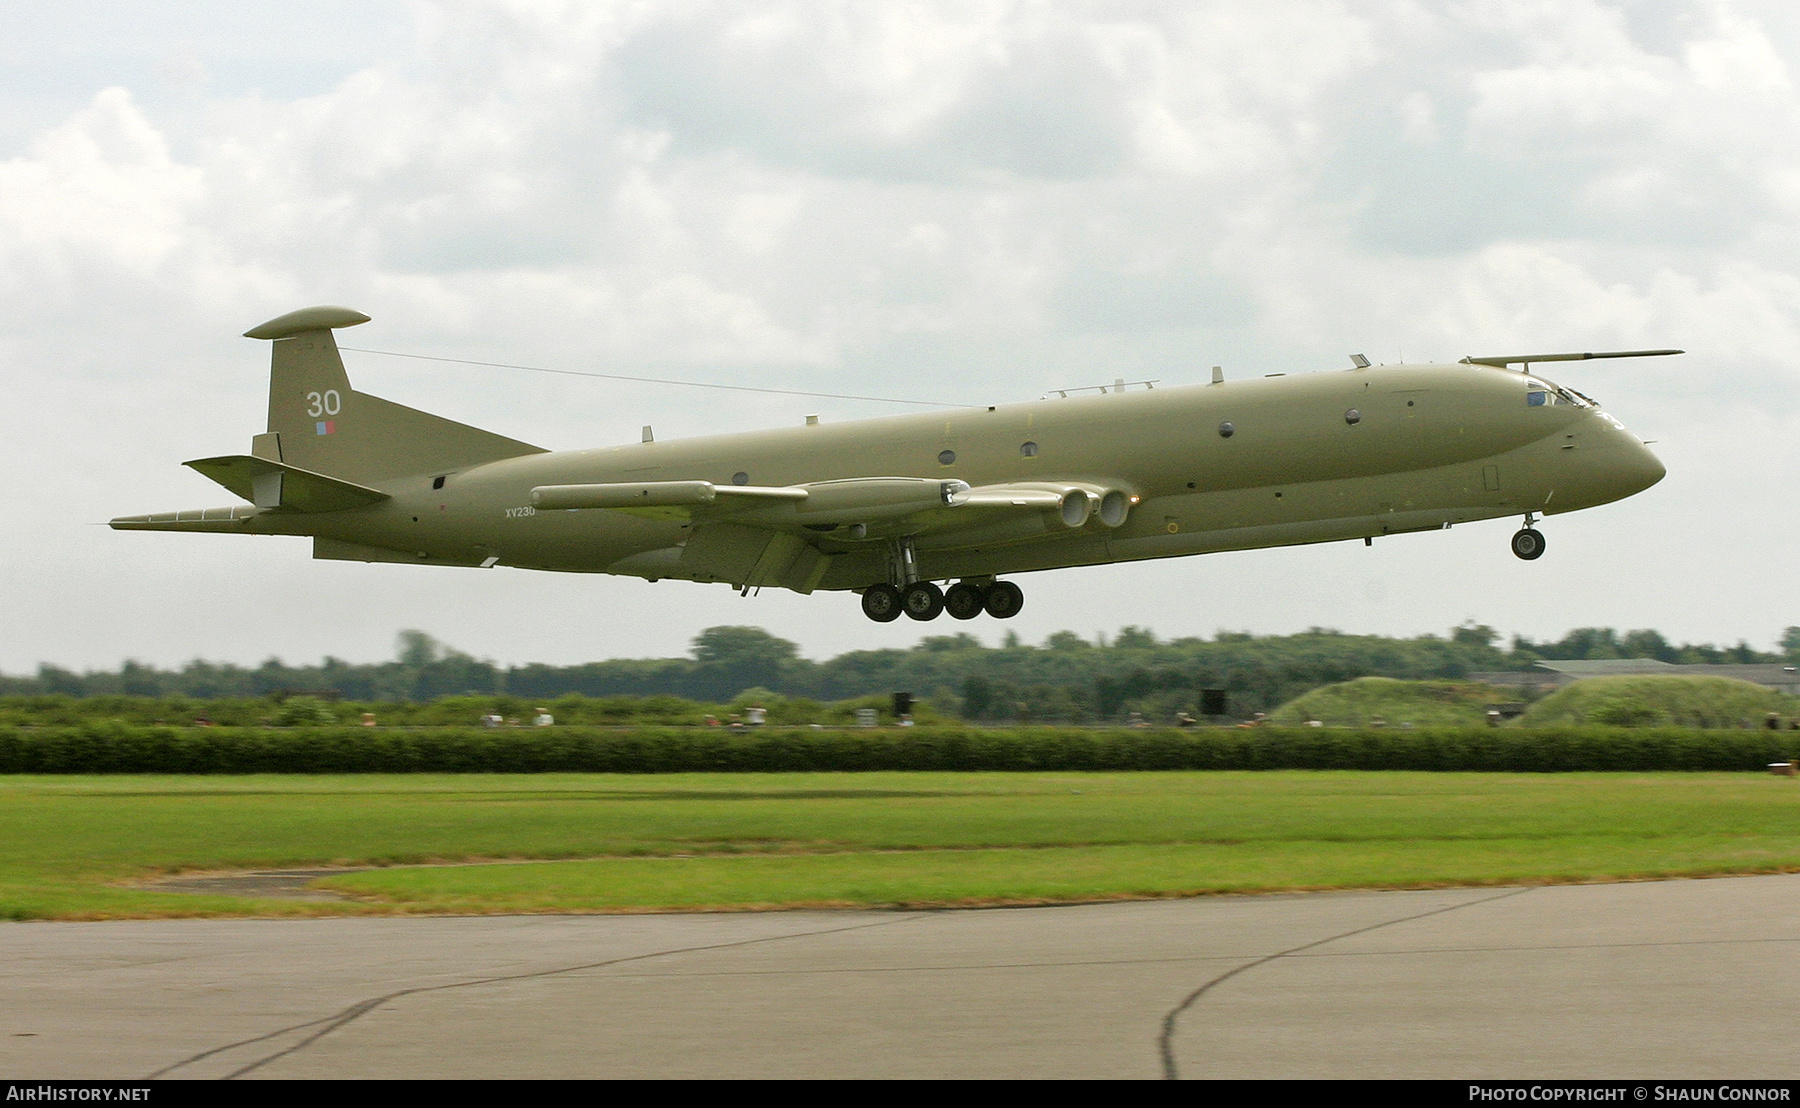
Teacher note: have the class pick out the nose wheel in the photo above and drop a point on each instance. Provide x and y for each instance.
(1528, 543)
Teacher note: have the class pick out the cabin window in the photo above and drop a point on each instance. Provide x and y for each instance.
(1226, 430)
(740, 478)
(947, 457)
(437, 482)
(1353, 417)
(1028, 449)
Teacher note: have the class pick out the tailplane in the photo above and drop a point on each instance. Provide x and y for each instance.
(318, 423)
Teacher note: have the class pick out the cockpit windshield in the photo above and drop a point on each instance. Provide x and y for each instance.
(1542, 394)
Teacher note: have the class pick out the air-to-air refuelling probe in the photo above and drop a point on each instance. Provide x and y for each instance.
(890, 507)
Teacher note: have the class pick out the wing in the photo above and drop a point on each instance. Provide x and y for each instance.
(861, 509)
(787, 535)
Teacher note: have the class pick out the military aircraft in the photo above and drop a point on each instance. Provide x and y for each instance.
(889, 507)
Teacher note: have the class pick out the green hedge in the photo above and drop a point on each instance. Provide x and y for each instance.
(451, 711)
(112, 747)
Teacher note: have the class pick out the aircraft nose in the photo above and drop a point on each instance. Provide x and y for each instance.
(1610, 465)
(1641, 467)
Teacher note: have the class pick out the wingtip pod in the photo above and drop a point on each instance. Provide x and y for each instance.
(325, 317)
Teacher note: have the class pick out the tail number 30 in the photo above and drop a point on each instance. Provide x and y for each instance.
(326, 403)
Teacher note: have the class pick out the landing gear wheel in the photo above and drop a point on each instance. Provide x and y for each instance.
(1528, 544)
(922, 600)
(964, 600)
(1004, 599)
(881, 603)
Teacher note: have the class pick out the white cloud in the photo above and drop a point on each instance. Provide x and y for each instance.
(99, 193)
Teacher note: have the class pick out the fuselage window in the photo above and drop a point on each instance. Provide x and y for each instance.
(1028, 449)
(740, 478)
(1226, 430)
(947, 458)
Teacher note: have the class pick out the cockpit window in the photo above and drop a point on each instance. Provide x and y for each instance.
(1542, 394)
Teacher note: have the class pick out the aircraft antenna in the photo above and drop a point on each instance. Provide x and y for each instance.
(655, 380)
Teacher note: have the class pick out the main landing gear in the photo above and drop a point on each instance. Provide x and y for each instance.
(903, 591)
(923, 600)
(1528, 542)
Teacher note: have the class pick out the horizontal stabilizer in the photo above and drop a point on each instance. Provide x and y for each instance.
(270, 484)
(1502, 361)
(230, 520)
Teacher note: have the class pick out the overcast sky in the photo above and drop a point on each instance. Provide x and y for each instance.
(968, 202)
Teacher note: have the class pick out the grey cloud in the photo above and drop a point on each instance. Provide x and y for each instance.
(1099, 299)
(1495, 171)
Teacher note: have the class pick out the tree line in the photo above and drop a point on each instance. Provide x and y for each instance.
(1065, 679)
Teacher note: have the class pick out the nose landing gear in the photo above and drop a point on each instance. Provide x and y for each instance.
(1528, 542)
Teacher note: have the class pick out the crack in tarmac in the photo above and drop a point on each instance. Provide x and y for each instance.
(1166, 1040)
(327, 1024)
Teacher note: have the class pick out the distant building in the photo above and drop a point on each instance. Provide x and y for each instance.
(1554, 675)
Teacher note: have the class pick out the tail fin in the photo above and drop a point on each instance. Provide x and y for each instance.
(318, 422)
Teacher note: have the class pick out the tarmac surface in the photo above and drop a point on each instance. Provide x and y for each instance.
(1673, 979)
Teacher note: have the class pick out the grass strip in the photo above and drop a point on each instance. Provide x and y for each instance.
(81, 847)
(1051, 875)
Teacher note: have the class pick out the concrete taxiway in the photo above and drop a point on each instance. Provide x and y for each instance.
(1675, 979)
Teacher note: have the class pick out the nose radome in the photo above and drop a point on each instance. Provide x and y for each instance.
(1647, 467)
(1606, 465)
